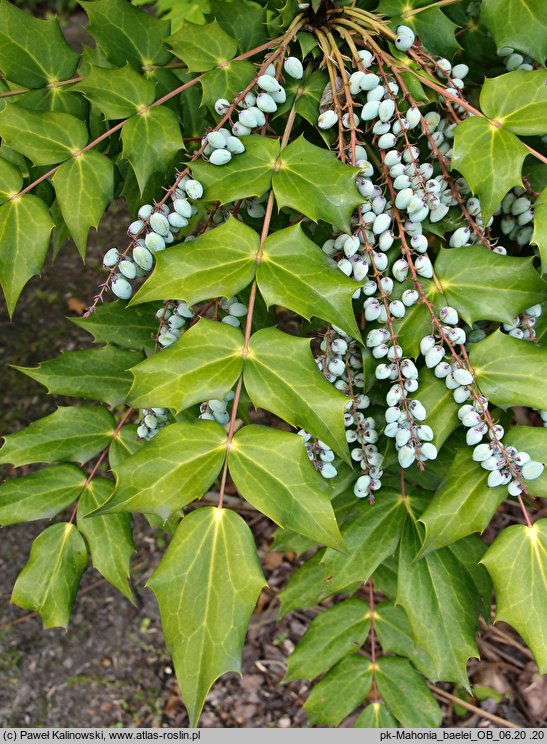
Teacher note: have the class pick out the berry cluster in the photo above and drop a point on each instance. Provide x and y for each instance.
(151, 422)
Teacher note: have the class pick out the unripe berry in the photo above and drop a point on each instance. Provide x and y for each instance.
(220, 157)
(327, 119)
(121, 287)
(293, 68)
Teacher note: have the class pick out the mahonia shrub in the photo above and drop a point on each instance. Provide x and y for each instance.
(322, 158)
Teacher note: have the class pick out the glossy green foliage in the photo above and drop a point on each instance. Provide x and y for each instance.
(163, 477)
(204, 625)
(49, 582)
(106, 374)
(259, 316)
(271, 471)
(490, 158)
(516, 560)
(520, 24)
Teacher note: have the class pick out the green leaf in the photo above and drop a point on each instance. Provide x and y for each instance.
(340, 691)
(176, 467)
(119, 92)
(517, 563)
(243, 20)
(236, 75)
(442, 603)
(249, 174)
(304, 586)
(84, 186)
(40, 495)
(490, 159)
(438, 401)
(507, 371)
(310, 91)
(126, 34)
(218, 263)
(74, 433)
(483, 285)
(202, 47)
(539, 237)
(371, 534)
(271, 470)
(124, 444)
(517, 101)
(463, 504)
(25, 227)
(281, 376)
(109, 538)
(45, 137)
(49, 582)
(333, 634)
(207, 585)
(375, 715)
(33, 52)
(395, 636)
(314, 182)
(203, 363)
(406, 694)
(519, 24)
(11, 179)
(287, 541)
(531, 439)
(114, 322)
(150, 142)
(296, 274)
(98, 374)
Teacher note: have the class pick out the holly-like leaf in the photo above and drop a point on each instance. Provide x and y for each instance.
(375, 715)
(281, 376)
(222, 83)
(218, 263)
(340, 691)
(296, 274)
(207, 585)
(115, 323)
(75, 433)
(40, 495)
(520, 24)
(533, 440)
(304, 587)
(507, 371)
(271, 470)
(11, 179)
(118, 92)
(490, 158)
(539, 237)
(109, 538)
(124, 444)
(176, 467)
(84, 187)
(243, 20)
(313, 181)
(33, 52)
(25, 227)
(126, 34)
(45, 137)
(333, 634)
(248, 174)
(99, 374)
(150, 142)
(395, 636)
(463, 504)
(202, 47)
(517, 101)
(483, 285)
(49, 582)
(372, 534)
(442, 603)
(406, 694)
(203, 363)
(517, 563)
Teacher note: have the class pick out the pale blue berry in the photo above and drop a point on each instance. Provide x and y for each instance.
(293, 68)
(121, 287)
(327, 119)
(111, 258)
(220, 157)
